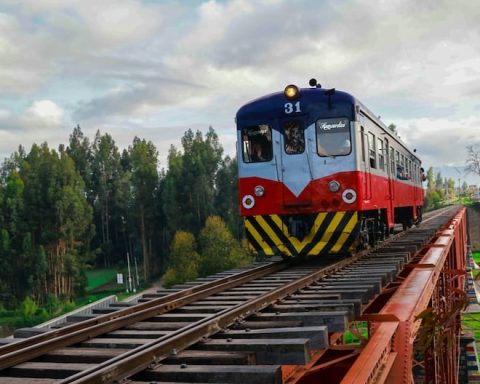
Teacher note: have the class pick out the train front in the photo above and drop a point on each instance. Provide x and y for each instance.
(298, 185)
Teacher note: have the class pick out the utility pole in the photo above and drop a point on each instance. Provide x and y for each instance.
(460, 173)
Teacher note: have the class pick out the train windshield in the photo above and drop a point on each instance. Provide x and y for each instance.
(257, 143)
(333, 137)
(294, 137)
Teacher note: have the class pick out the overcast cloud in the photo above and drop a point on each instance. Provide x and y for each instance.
(157, 68)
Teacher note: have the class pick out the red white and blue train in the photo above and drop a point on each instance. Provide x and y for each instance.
(320, 174)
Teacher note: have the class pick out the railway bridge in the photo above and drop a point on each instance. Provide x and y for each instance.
(386, 315)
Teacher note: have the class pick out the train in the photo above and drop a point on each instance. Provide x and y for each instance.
(319, 174)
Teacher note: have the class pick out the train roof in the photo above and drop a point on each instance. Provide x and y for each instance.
(309, 95)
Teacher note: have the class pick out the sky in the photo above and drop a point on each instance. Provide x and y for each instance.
(154, 69)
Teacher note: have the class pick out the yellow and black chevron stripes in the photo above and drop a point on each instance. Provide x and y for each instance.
(330, 233)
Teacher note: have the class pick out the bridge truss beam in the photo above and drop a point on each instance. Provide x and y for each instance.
(414, 326)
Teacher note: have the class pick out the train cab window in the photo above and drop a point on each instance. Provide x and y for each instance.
(333, 137)
(257, 143)
(371, 150)
(293, 137)
(381, 155)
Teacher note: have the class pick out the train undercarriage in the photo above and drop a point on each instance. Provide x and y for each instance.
(374, 224)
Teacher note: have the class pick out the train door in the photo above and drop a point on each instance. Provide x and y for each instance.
(390, 164)
(367, 190)
(296, 171)
(415, 174)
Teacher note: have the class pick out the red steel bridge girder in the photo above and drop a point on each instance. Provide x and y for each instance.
(434, 286)
(434, 282)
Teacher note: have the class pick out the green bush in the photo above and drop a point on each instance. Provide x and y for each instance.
(476, 257)
(28, 308)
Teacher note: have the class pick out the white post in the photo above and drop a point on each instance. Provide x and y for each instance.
(136, 273)
(129, 282)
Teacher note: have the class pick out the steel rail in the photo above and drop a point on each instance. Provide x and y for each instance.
(35, 346)
(142, 357)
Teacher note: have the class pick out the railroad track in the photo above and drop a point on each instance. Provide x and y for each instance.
(238, 326)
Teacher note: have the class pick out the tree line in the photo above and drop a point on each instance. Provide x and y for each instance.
(87, 204)
(441, 190)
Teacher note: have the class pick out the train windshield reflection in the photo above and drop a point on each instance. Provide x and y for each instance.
(333, 137)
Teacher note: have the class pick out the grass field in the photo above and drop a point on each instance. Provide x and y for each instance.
(100, 277)
(476, 257)
(471, 322)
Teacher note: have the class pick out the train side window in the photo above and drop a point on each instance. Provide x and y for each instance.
(371, 150)
(400, 166)
(293, 137)
(392, 160)
(333, 137)
(381, 155)
(257, 143)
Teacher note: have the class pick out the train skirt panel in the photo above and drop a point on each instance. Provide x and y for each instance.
(319, 234)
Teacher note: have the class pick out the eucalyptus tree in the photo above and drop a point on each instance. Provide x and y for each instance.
(59, 222)
(80, 150)
(14, 269)
(105, 174)
(226, 196)
(189, 185)
(144, 185)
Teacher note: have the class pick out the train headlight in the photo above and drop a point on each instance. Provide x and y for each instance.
(248, 201)
(259, 191)
(291, 92)
(349, 196)
(334, 186)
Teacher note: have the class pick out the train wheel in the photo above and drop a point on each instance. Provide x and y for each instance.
(406, 224)
(364, 234)
(372, 232)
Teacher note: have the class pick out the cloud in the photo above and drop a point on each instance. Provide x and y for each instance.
(140, 97)
(43, 41)
(46, 111)
(42, 114)
(158, 68)
(440, 141)
(42, 121)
